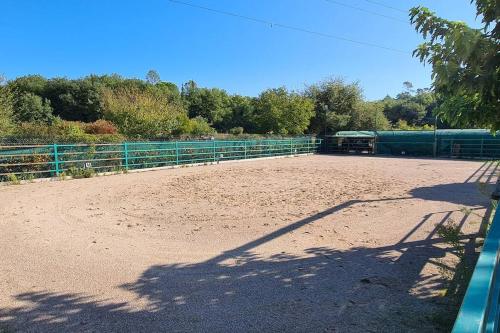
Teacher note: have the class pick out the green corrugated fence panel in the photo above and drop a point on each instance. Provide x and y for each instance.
(448, 143)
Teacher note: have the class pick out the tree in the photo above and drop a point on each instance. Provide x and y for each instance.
(212, 104)
(169, 90)
(32, 108)
(143, 114)
(281, 112)
(242, 115)
(335, 103)
(78, 100)
(369, 116)
(414, 107)
(196, 127)
(6, 108)
(404, 109)
(152, 77)
(465, 64)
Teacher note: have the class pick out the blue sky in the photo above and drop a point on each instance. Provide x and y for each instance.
(74, 38)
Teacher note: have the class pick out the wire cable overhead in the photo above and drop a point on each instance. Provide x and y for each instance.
(367, 11)
(288, 27)
(387, 6)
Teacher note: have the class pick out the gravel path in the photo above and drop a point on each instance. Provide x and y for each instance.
(306, 244)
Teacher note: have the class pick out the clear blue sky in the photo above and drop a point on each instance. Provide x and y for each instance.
(74, 38)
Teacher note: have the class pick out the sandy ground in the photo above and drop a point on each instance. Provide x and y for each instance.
(305, 244)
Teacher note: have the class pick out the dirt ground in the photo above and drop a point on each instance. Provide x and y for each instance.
(304, 244)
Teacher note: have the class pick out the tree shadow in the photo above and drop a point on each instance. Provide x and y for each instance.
(325, 290)
(361, 289)
(457, 193)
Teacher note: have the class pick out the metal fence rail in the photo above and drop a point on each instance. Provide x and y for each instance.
(38, 161)
(469, 148)
(479, 312)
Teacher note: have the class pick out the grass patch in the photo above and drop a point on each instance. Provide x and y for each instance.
(77, 173)
(13, 179)
(458, 277)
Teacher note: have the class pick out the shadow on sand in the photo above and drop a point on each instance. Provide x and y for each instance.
(323, 290)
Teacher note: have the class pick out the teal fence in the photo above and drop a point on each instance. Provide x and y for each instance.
(480, 308)
(480, 144)
(38, 161)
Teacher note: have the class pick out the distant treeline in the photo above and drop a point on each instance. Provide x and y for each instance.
(111, 107)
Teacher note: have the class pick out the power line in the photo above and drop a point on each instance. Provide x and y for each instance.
(289, 27)
(367, 11)
(387, 6)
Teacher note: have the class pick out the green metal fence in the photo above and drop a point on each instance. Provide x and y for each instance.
(480, 311)
(480, 144)
(38, 161)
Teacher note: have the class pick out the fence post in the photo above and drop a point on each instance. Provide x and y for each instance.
(245, 146)
(291, 147)
(125, 152)
(214, 150)
(482, 142)
(177, 152)
(451, 148)
(56, 158)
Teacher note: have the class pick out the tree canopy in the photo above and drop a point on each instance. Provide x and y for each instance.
(35, 107)
(465, 64)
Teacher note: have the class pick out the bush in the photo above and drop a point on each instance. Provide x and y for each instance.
(142, 114)
(32, 108)
(199, 126)
(58, 132)
(236, 131)
(404, 126)
(100, 126)
(12, 179)
(6, 109)
(77, 173)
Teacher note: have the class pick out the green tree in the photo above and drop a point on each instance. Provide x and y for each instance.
(465, 64)
(195, 127)
(369, 116)
(32, 108)
(281, 112)
(142, 113)
(335, 102)
(168, 90)
(6, 108)
(152, 77)
(212, 104)
(414, 107)
(404, 109)
(242, 115)
(77, 100)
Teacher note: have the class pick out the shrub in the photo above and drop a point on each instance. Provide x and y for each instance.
(403, 125)
(38, 163)
(142, 114)
(100, 126)
(6, 108)
(60, 131)
(12, 179)
(77, 173)
(236, 131)
(32, 108)
(199, 126)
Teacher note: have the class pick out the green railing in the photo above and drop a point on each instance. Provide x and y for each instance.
(480, 308)
(39, 161)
